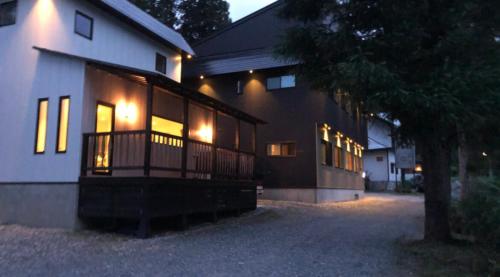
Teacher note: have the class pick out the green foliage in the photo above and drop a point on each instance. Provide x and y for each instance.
(163, 10)
(194, 19)
(479, 213)
(405, 187)
(201, 18)
(432, 65)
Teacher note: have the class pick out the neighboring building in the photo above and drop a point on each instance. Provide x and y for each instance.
(380, 158)
(311, 148)
(84, 86)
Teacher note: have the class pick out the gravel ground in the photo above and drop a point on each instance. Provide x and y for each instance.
(278, 239)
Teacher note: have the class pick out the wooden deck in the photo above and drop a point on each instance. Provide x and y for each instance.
(146, 198)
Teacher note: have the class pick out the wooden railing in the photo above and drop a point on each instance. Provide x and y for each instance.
(125, 154)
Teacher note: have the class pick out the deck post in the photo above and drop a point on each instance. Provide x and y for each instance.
(238, 138)
(149, 116)
(185, 138)
(144, 228)
(214, 146)
(85, 155)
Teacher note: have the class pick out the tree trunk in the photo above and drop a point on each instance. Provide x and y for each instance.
(463, 161)
(436, 162)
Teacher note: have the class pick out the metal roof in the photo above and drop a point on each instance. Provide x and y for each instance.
(239, 62)
(143, 76)
(141, 19)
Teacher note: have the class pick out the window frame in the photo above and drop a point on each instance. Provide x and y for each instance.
(280, 77)
(164, 59)
(61, 99)
(37, 129)
(15, 3)
(328, 153)
(79, 13)
(281, 143)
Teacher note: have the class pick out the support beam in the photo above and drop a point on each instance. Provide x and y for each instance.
(214, 145)
(149, 116)
(185, 138)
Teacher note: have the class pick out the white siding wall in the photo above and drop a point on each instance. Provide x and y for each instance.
(379, 135)
(26, 75)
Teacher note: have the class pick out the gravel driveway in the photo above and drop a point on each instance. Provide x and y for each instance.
(278, 239)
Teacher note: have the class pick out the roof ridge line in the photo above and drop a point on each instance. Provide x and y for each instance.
(238, 22)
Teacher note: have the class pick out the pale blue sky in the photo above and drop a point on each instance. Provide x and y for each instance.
(241, 8)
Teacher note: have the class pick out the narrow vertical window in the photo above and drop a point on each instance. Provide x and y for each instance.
(41, 125)
(62, 127)
(161, 63)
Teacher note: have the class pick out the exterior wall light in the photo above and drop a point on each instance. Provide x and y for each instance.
(250, 71)
(189, 56)
(485, 154)
(202, 77)
(127, 112)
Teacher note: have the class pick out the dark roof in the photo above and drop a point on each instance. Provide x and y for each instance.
(131, 14)
(236, 62)
(240, 21)
(144, 76)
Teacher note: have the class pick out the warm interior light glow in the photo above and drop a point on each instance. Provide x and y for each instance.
(127, 112)
(41, 135)
(205, 133)
(418, 168)
(166, 126)
(62, 139)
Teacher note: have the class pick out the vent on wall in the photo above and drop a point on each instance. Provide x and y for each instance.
(239, 87)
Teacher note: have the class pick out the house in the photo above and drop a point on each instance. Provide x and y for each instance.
(97, 125)
(311, 149)
(380, 157)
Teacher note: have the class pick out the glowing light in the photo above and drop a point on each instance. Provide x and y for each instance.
(363, 175)
(205, 133)
(127, 112)
(485, 154)
(189, 56)
(202, 77)
(418, 168)
(250, 71)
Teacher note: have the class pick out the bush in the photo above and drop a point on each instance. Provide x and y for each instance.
(405, 187)
(478, 215)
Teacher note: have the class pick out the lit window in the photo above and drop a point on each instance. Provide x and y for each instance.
(326, 153)
(8, 13)
(84, 25)
(62, 127)
(287, 149)
(287, 81)
(161, 63)
(166, 126)
(41, 125)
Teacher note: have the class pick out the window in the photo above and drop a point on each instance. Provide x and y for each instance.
(326, 153)
(169, 127)
(349, 159)
(380, 159)
(84, 25)
(287, 81)
(41, 125)
(8, 13)
(161, 63)
(62, 125)
(287, 149)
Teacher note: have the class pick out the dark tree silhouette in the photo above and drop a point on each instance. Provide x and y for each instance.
(163, 10)
(200, 18)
